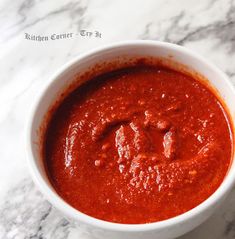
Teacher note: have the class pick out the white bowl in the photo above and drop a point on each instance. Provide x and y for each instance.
(169, 228)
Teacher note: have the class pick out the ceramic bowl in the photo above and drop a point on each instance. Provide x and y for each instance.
(170, 228)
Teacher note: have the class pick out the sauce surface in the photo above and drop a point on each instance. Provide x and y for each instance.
(138, 145)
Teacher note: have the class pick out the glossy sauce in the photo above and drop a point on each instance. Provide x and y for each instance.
(138, 145)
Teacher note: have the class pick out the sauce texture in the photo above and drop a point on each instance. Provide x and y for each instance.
(138, 145)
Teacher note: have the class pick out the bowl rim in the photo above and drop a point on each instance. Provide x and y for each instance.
(75, 214)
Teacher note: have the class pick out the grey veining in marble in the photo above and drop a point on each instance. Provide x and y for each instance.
(205, 26)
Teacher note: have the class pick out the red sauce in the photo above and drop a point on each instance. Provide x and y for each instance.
(138, 145)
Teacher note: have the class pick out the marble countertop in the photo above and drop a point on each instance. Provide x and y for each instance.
(30, 53)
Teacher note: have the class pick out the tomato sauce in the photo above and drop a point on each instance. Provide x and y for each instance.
(138, 145)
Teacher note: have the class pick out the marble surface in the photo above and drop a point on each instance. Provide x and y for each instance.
(206, 26)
